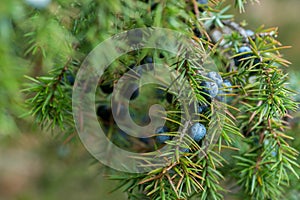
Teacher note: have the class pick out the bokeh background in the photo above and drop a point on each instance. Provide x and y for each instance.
(38, 165)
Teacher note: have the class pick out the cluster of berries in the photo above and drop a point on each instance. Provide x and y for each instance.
(131, 91)
(215, 87)
(197, 131)
(212, 87)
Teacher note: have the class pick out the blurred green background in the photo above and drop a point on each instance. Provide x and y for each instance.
(37, 165)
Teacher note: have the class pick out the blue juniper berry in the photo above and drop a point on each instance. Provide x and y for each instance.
(197, 131)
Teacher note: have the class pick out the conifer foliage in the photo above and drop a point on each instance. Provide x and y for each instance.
(253, 152)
